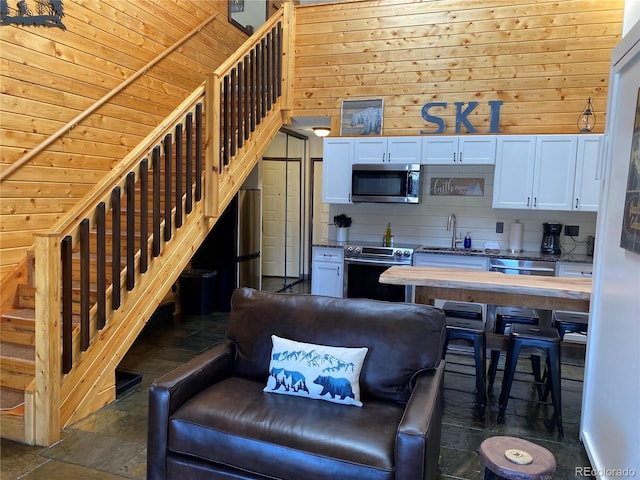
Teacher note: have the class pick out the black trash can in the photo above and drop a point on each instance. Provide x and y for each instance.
(197, 291)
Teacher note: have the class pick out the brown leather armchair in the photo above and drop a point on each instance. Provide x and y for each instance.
(211, 419)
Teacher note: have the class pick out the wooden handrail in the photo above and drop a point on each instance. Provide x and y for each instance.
(101, 102)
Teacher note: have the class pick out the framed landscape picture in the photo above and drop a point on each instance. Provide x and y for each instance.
(630, 237)
(361, 117)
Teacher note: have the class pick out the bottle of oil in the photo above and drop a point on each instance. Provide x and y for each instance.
(387, 236)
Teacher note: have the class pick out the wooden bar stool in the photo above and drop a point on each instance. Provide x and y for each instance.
(515, 459)
(505, 317)
(544, 338)
(464, 322)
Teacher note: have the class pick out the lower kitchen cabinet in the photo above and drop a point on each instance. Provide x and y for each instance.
(327, 271)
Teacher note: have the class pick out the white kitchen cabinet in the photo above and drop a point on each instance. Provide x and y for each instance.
(535, 172)
(586, 188)
(554, 172)
(459, 150)
(451, 261)
(337, 154)
(387, 150)
(575, 270)
(327, 273)
(513, 175)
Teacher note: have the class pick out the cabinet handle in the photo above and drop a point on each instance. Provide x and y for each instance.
(454, 157)
(576, 203)
(535, 202)
(528, 201)
(338, 272)
(383, 157)
(460, 157)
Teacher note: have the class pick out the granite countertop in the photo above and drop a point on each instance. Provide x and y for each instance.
(526, 255)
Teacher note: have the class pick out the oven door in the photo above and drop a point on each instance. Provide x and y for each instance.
(361, 281)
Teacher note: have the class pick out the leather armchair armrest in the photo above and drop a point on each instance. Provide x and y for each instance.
(172, 390)
(418, 437)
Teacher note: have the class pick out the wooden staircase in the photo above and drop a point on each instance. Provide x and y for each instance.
(92, 282)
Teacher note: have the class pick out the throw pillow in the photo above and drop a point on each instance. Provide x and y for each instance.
(315, 371)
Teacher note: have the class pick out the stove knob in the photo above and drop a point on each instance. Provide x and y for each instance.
(349, 249)
(356, 250)
(398, 253)
(407, 253)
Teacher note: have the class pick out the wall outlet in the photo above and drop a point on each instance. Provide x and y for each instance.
(571, 230)
(499, 227)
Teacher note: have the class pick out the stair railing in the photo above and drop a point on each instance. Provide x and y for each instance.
(118, 240)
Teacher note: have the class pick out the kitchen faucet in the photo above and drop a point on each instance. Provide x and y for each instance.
(451, 225)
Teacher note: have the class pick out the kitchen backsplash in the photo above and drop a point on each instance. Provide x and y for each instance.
(426, 222)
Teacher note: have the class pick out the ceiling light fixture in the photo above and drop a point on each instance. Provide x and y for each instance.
(587, 119)
(321, 131)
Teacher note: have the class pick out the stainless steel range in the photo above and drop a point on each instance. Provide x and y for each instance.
(364, 262)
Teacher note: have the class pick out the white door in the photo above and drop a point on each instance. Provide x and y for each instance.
(281, 218)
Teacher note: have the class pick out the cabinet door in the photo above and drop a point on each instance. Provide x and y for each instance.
(404, 149)
(439, 150)
(586, 188)
(336, 170)
(513, 176)
(326, 279)
(477, 150)
(451, 261)
(554, 172)
(370, 150)
(575, 270)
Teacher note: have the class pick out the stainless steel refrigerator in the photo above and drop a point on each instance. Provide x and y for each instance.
(249, 238)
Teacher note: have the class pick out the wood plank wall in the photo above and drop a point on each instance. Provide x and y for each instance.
(541, 58)
(50, 75)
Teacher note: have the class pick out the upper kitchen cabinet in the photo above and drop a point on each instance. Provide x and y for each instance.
(513, 177)
(554, 172)
(387, 150)
(586, 189)
(337, 154)
(535, 172)
(459, 150)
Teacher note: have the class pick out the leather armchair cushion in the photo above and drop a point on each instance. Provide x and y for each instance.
(235, 424)
(402, 339)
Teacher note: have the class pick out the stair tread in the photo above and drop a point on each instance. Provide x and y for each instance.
(21, 314)
(10, 398)
(18, 352)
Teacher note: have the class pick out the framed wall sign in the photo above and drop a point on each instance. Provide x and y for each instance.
(630, 236)
(361, 117)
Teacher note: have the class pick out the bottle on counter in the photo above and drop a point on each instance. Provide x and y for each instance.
(387, 236)
(467, 240)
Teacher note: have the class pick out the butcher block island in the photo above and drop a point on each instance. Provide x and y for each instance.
(550, 293)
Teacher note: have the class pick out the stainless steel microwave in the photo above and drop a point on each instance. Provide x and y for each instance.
(385, 183)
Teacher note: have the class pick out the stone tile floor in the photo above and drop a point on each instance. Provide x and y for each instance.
(111, 444)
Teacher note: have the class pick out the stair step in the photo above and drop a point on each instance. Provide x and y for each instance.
(18, 326)
(26, 296)
(17, 365)
(10, 399)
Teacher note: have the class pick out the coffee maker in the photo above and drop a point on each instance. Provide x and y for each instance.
(551, 238)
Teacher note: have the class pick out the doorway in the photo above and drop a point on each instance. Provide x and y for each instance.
(284, 203)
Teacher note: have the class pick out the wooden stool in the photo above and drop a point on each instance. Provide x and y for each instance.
(494, 451)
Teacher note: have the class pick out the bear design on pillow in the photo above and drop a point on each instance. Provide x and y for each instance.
(335, 386)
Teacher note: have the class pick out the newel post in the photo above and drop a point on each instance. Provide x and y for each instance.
(288, 47)
(47, 338)
(212, 145)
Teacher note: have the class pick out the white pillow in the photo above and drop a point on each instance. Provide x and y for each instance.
(315, 371)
